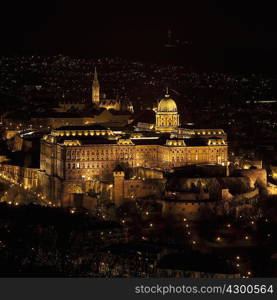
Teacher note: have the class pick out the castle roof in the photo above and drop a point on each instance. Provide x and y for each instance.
(167, 104)
(83, 127)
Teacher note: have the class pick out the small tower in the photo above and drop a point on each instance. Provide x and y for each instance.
(95, 89)
(118, 186)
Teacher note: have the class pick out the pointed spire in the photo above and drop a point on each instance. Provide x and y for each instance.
(95, 74)
(95, 88)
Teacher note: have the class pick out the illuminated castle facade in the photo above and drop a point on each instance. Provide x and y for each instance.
(76, 159)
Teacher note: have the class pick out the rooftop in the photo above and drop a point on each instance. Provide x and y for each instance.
(84, 127)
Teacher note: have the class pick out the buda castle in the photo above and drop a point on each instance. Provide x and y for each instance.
(75, 160)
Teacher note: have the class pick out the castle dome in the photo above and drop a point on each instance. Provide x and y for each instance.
(167, 105)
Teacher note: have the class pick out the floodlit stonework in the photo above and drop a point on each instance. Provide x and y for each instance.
(167, 117)
(72, 157)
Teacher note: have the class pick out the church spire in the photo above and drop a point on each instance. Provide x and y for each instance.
(95, 88)
(95, 74)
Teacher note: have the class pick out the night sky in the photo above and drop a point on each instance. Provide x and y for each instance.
(83, 28)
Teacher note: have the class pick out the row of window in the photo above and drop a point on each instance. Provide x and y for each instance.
(126, 151)
(87, 166)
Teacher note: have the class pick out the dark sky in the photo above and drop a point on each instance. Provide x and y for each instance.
(89, 28)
